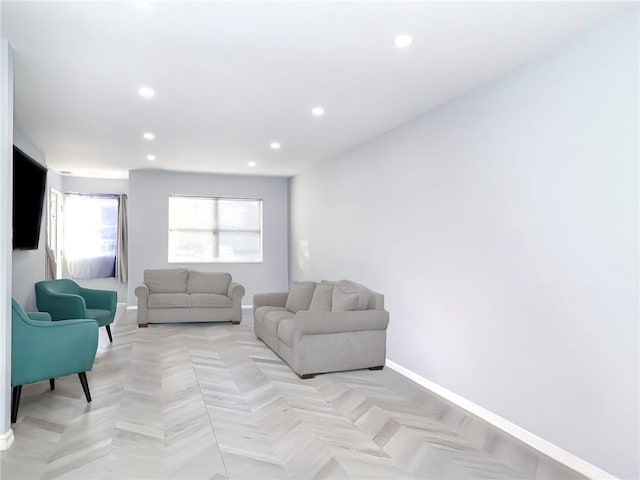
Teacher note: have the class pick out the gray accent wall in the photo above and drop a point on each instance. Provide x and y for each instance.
(502, 229)
(149, 192)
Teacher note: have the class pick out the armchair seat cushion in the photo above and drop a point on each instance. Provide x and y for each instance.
(210, 300)
(169, 300)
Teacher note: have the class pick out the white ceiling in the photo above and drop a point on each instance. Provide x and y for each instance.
(230, 77)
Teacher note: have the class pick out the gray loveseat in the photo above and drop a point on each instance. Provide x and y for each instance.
(324, 327)
(182, 295)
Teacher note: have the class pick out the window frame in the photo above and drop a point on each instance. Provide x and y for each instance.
(218, 261)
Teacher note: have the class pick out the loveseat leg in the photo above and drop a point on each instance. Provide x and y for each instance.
(143, 325)
(307, 376)
(379, 367)
(235, 323)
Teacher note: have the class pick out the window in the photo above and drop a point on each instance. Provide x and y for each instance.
(90, 235)
(208, 229)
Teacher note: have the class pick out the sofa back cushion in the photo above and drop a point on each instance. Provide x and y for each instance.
(173, 280)
(322, 298)
(208, 282)
(348, 295)
(300, 295)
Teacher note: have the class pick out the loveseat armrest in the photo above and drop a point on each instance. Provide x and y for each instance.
(235, 290)
(278, 299)
(142, 292)
(315, 323)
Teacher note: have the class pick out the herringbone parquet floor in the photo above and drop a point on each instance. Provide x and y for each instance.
(207, 401)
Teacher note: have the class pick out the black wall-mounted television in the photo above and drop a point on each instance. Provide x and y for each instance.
(29, 185)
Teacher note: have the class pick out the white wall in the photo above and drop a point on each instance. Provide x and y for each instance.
(6, 198)
(29, 265)
(502, 229)
(149, 191)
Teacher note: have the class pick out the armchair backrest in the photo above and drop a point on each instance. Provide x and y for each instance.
(61, 285)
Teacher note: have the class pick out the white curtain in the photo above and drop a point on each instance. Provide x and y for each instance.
(122, 263)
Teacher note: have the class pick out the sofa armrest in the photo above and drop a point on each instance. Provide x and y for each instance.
(278, 299)
(314, 323)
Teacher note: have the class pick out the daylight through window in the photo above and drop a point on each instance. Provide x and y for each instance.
(209, 229)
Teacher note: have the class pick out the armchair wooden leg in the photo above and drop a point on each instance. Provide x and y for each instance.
(143, 325)
(52, 383)
(85, 385)
(15, 403)
(109, 332)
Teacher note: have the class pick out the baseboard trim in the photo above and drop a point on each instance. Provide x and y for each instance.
(543, 446)
(6, 440)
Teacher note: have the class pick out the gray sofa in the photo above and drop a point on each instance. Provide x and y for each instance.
(182, 295)
(324, 327)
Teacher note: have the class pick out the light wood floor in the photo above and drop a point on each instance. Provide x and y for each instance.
(211, 401)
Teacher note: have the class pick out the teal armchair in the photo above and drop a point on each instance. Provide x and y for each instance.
(42, 349)
(65, 299)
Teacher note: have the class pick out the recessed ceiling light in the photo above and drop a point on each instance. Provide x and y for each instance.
(144, 3)
(275, 145)
(252, 164)
(317, 111)
(151, 158)
(403, 41)
(146, 92)
(148, 136)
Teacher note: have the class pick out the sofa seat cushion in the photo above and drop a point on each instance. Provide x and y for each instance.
(173, 280)
(169, 300)
(261, 311)
(210, 300)
(103, 317)
(208, 282)
(272, 319)
(285, 330)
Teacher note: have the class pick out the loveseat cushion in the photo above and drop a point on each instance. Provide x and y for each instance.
(210, 300)
(208, 282)
(321, 300)
(169, 300)
(166, 280)
(300, 295)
